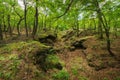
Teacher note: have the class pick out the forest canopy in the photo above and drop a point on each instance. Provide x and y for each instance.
(34, 15)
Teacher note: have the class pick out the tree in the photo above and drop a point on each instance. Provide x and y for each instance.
(103, 21)
(21, 18)
(25, 17)
(35, 20)
(1, 34)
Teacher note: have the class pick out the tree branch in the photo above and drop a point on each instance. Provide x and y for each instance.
(66, 10)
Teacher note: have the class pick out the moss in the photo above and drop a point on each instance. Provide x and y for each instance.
(105, 79)
(14, 55)
(10, 68)
(51, 61)
(61, 75)
(77, 63)
(83, 78)
(21, 46)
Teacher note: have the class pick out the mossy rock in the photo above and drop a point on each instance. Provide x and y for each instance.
(78, 42)
(49, 61)
(47, 38)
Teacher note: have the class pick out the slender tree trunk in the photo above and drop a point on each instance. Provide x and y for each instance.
(35, 20)
(4, 30)
(77, 27)
(94, 25)
(25, 17)
(45, 22)
(84, 26)
(42, 22)
(9, 26)
(115, 29)
(105, 26)
(100, 29)
(1, 34)
(18, 26)
(5, 27)
(49, 24)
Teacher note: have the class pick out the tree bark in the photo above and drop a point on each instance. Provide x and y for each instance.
(1, 34)
(9, 26)
(25, 17)
(18, 26)
(94, 25)
(100, 29)
(35, 20)
(5, 27)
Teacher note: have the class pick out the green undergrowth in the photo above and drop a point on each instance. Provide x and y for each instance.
(61, 75)
(15, 59)
(52, 59)
(17, 62)
(9, 48)
(9, 66)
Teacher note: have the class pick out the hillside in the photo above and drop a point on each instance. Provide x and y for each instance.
(82, 57)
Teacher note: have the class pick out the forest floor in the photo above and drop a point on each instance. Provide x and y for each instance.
(69, 56)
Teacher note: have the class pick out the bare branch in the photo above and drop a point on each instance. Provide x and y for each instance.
(66, 10)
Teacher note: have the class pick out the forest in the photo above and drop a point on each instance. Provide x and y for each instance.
(59, 39)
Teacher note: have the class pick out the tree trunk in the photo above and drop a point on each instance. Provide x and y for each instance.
(1, 35)
(9, 26)
(4, 29)
(115, 29)
(100, 29)
(103, 21)
(94, 25)
(18, 28)
(25, 17)
(35, 21)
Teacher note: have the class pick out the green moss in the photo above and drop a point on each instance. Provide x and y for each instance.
(77, 63)
(82, 78)
(52, 59)
(61, 75)
(2, 57)
(13, 54)
(105, 79)
(29, 45)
